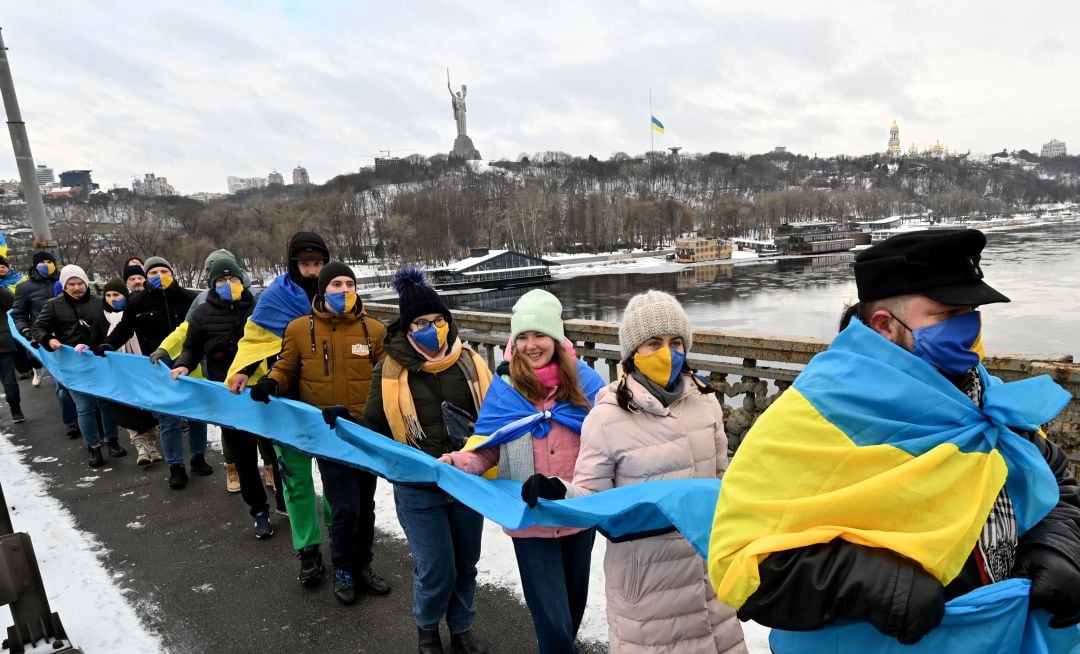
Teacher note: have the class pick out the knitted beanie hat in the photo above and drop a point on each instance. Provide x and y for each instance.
(71, 271)
(133, 270)
(225, 267)
(157, 262)
(332, 270)
(652, 313)
(415, 295)
(4, 262)
(116, 286)
(537, 311)
(43, 255)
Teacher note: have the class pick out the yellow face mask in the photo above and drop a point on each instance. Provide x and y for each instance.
(162, 281)
(443, 330)
(661, 367)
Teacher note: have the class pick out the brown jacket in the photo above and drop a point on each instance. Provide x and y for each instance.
(659, 598)
(327, 359)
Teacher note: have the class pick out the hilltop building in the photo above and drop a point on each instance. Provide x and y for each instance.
(300, 176)
(894, 140)
(152, 185)
(1053, 148)
(275, 178)
(237, 184)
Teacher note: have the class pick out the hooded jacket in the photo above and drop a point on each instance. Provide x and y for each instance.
(213, 333)
(298, 243)
(31, 296)
(329, 359)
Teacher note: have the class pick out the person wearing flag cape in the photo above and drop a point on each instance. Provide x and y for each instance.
(896, 475)
(658, 421)
(530, 423)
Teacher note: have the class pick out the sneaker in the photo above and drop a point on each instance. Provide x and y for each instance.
(268, 477)
(95, 460)
(344, 590)
(200, 467)
(17, 415)
(177, 476)
(73, 432)
(36, 379)
(142, 450)
(232, 478)
(152, 450)
(263, 528)
(311, 566)
(115, 449)
(374, 583)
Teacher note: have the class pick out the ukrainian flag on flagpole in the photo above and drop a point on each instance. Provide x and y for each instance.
(3, 245)
(657, 125)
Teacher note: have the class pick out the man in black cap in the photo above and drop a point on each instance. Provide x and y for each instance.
(919, 291)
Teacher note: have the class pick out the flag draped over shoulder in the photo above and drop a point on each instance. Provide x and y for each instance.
(871, 444)
(507, 415)
(281, 303)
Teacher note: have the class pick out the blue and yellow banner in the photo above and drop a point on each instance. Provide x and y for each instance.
(657, 125)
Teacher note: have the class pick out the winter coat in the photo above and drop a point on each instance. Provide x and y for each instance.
(328, 359)
(7, 343)
(429, 391)
(151, 315)
(68, 320)
(30, 296)
(107, 322)
(213, 333)
(659, 598)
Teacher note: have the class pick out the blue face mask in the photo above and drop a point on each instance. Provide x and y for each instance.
(427, 338)
(661, 367)
(953, 346)
(46, 269)
(343, 302)
(118, 303)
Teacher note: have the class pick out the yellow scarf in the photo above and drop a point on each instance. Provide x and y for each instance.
(397, 399)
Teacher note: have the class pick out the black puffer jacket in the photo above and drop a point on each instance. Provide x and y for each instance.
(429, 391)
(214, 330)
(7, 344)
(68, 320)
(30, 297)
(151, 315)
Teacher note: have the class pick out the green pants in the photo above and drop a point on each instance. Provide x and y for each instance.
(300, 497)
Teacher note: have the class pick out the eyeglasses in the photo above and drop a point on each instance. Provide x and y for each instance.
(422, 324)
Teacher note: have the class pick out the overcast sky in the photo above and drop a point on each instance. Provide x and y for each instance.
(201, 89)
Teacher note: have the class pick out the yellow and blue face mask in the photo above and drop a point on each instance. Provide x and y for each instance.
(953, 346)
(161, 282)
(47, 269)
(118, 303)
(661, 367)
(230, 292)
(433, 337)
(343, 302)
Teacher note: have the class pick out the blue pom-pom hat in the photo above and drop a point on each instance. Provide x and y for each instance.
(415, 295)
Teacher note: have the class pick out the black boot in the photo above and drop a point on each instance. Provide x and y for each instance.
(199, 466)
(73, 433)
(466, 643)
(115, 450)
(95, 460)
(430, 641)
(177, 476)
(375, 584)
(311, 566)
(344, 588)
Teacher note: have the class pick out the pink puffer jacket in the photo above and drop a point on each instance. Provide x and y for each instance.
(659, 598)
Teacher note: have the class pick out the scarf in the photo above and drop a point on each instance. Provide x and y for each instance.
(873, 445)
(666, 397)
(132, 346)
(397, 398)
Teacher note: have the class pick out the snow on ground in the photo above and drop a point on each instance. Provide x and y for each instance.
(78, 586)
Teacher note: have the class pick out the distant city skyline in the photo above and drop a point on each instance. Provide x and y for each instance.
(205, 90)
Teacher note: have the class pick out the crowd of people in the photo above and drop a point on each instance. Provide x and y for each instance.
(545, 419)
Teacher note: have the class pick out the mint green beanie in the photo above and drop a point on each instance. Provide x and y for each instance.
(537, 311)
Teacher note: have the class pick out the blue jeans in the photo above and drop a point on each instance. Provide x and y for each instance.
(172, 438)
(68, 411)
(444, 536)
(556, 601)
(87, 407)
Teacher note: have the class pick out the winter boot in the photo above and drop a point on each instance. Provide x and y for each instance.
(375, 584)
(142, 449)
(466, 643)
(177, 476)
(268, 477)
(73, 432)
(152, 450)
(430, 641)
(263, 528)
(95, 460)
(115, 450)
(232, 478)
(311, 566)
(344, 589)
(17, 416)
(200, 467)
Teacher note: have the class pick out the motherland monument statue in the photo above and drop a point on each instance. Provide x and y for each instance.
(463, 145)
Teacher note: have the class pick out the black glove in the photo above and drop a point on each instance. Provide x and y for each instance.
(925, 607)
(25, 333)
(157, 355)
(331, 414)
(34, 343)
(44, 344)
(264, 389)
(538, 486)
(1055, 583)
(101, 348)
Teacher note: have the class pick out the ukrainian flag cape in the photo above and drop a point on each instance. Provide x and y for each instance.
(281, 303)
(506, 414)
(873, 445)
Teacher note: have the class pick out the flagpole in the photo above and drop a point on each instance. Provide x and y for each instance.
(652, 144)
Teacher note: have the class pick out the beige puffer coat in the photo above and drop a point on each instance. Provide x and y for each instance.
(659, 598)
